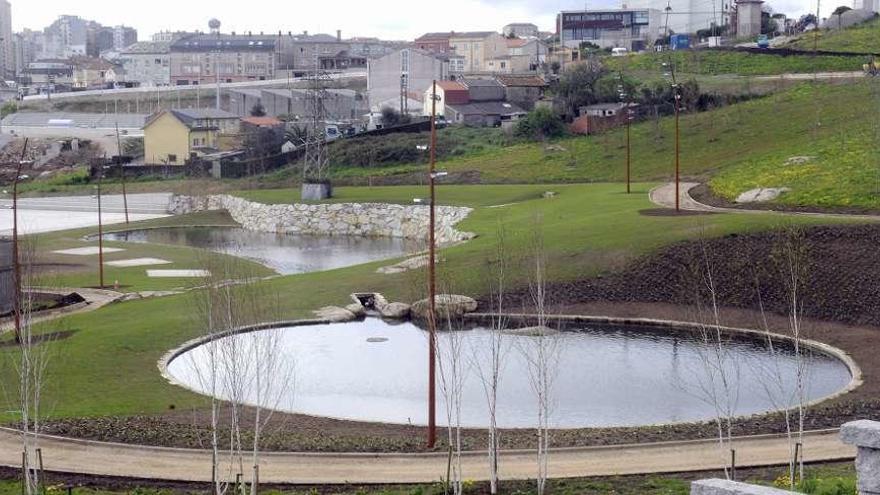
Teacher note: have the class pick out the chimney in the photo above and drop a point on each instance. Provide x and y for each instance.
(305, 33)
(338, 35)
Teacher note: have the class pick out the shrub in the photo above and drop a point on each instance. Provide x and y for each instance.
(541, 123)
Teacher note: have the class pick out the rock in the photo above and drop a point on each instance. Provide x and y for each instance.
(799, 160)
(405, 265)
(394, 311)
(335, 314)
(357, 309)
(761, 195)
(554, 148)
(727, 487)
(549, 194)
(862, 433)
(446, 305)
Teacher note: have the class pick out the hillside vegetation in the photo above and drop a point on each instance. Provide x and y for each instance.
(861, 38)
(718, 62)
(739, 147)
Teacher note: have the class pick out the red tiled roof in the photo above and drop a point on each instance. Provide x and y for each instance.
(516, 42)
(451, 86)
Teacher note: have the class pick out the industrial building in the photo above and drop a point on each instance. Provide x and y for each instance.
(633, 29)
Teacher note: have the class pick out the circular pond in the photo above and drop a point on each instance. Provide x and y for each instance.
(602, 376)
(286, 254)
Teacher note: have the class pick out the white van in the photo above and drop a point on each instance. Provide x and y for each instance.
(619, 51)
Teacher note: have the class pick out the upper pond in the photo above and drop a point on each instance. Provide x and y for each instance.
(286, 254)
(604, 376)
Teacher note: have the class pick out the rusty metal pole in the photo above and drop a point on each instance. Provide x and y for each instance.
(16, 263)
(100, 229)
(677, 152)
(628, 121)
(121, 173)
(432, 287)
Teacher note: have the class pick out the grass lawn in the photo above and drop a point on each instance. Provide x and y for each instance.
(82, 271)
(861, 38)
(717, 62)
(108, 365)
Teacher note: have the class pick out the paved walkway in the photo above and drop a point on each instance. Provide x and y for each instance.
(82, 457)
(94, 299)
(665, 196)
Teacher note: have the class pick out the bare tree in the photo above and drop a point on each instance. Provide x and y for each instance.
(717, 380)
(488, 361)
(541, 351)
(243, 368)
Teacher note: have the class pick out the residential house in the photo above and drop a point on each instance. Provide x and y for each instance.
(262, 136)
(523, 91)
(147, 63)
(343, 60)
(297, 53)
(373, 47)
(205, 58)
(520, 30)
(477, 48)
(434, 42)
(594, 119)
(398, 80)
(90, 73)
(484, 113)
(483, 89)
(475, 102)
(448, 93)
(171, 137)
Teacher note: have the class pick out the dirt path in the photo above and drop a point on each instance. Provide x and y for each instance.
(664, 196)
(82, 457)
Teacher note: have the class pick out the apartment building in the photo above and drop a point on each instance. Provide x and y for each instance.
(206, 58)
(147, 63)
(478, 48)
(633, 29)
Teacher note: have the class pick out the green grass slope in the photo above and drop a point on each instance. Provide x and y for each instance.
(861, 38)
(739, 147)
(718, 62)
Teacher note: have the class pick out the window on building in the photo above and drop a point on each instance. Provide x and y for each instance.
(172, 158)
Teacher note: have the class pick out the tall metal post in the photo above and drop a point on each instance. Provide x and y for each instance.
(121, 173)
(100, 228)
(16, 264)
(628, 148)
(432, 286)
(676, 98)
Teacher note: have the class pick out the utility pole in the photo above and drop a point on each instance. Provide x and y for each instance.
(677, 97)
(625, 100)
(16, 262)
(121, 172)
(100, 227)
(432, 286)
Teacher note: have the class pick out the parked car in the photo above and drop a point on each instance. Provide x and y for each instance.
(763, 41)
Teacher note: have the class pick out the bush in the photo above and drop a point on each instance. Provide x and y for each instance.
(539, 124)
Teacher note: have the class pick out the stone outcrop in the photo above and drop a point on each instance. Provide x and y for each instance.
(358, 219)
(446, 305)
(335, 314)
(394, 310)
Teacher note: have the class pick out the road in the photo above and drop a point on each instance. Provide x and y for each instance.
(37, 215)
(82, 457)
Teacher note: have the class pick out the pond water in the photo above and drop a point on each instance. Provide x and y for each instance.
(286, 254)
(602, 376)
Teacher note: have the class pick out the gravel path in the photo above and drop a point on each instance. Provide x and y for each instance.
(82, 457)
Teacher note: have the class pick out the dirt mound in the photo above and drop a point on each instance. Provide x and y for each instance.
(841, 275)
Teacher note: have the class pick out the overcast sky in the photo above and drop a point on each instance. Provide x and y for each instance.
(388, 19)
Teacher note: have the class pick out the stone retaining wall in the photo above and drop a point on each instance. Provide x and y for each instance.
(359, 219)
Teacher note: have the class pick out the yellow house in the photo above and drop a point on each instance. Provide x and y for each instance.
(171, 137)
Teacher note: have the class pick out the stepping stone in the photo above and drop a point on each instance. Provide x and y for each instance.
(137, 262)
(87, 251)
(178, 273)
